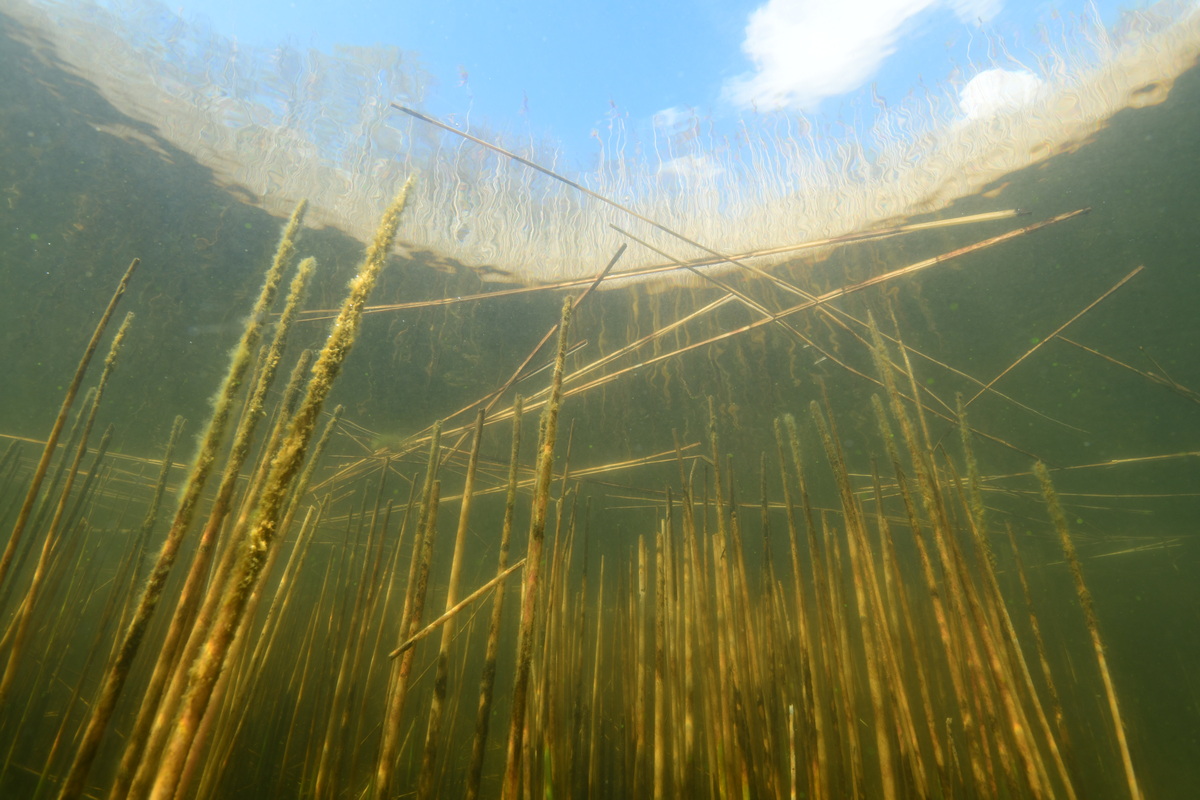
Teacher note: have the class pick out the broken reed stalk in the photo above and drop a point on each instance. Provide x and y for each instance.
(51, 537)
(488, 402)
(1039, 344)
(315, 315)
(488, 680)
(39, 472)
(189, 496)
(1093, 625)
(819, 300)
(270, 508)
(454, 610)
(718, 256)
(1162, 380)
(537, 527)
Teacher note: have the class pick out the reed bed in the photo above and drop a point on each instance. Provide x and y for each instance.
(685, 625)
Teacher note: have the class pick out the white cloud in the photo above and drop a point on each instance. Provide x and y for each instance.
(673, 117)
(806, 50)
(691, 169)
(975, 10)
(997, 90)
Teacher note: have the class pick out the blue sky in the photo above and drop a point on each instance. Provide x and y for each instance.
(558, 69)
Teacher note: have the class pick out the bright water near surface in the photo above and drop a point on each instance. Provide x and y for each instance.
(1111, 403)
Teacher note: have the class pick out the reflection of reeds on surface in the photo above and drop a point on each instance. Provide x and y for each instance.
(889, 654)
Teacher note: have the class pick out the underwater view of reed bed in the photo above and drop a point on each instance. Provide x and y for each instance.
(908, 513)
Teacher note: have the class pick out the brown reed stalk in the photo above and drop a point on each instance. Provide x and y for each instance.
(66, 564)
(1019, 670)
(724, 641)
(686, 782)
(545, 465)
(720, 257)
(954, 629)
(541, 735)
(1093, 625)
(520, 373)
(191, 621)
(885, 616)
(672, 265)
(986, 611)
(124, 584)
(1035, 628)
(338, 716)
(828, 657)
(378, 611)
(812, 706)
(865, 608)
(1041, 342)
(410, 620)
(189, 497)
(271, 505)
(592, 731)
(218, 714)
(39, 472)
(660, 687)
(155, 504)
(846, 697)
(264, 644)
(907, 631)
(488, 679)
(1163, 379)
(425, 781)
(453, 611)
(639, 617)
(812, 302)
(51, 537)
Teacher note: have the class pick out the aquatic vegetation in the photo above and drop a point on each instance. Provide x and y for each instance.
(793, 525)
(883, 657)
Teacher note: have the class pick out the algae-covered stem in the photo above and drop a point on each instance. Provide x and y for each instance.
(264, 527)
(537, 529)
(194, 611)
(189, 497)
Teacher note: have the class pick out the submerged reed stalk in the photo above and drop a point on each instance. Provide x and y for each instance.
(191, 622)
(410, 620)
(39, 472)
(285, 468)
(537, 528)
(189, 497)
(425, 782)
(1093, 625)
(488, 680)
(51, 537)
